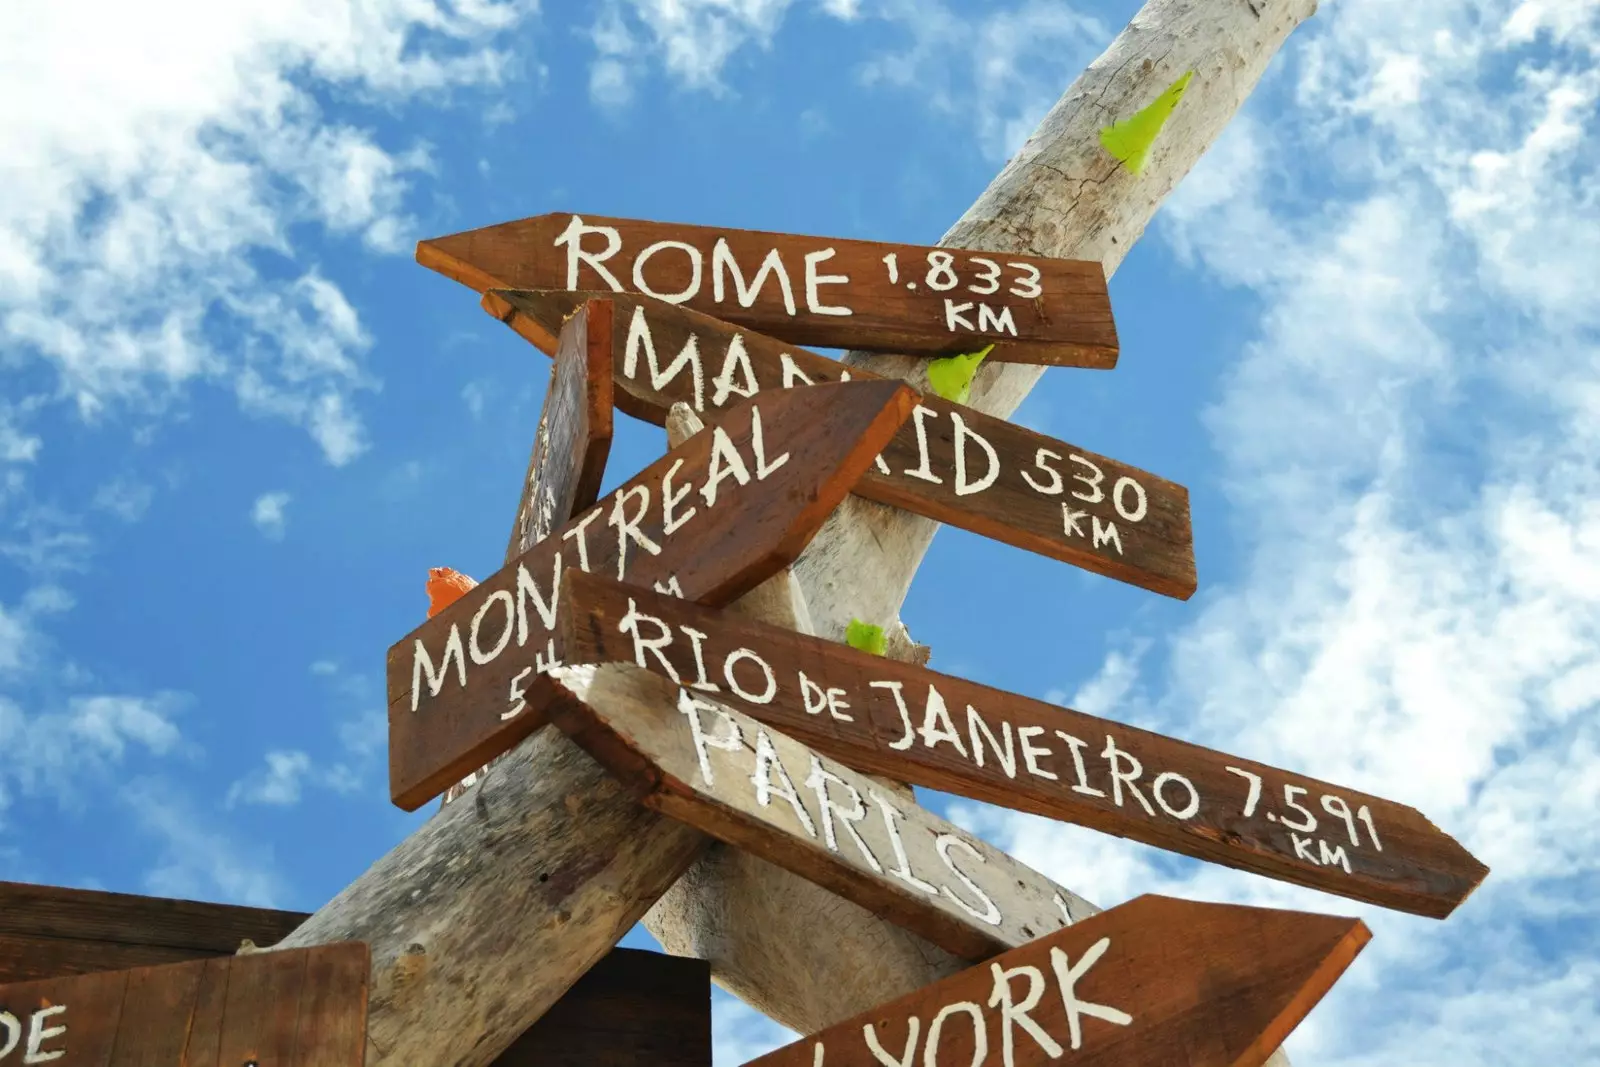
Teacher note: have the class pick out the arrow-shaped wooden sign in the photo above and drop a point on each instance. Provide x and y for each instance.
(748, 785)
(949, 462)
(294, 1008)
(946, 733)
(1153, 981)
(809, 290)
(710, 520)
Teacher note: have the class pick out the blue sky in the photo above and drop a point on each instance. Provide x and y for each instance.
(239, 423)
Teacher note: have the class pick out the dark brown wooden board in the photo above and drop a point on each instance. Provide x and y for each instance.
(822, 291)
(710, 520)
(294, 1008)
(1154, 981)
(633, 1007)
(570, 447)
(750, 786)
(946, 733)
(51, 931)
(1046, 496)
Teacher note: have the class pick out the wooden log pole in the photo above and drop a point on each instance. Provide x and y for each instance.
(485, 915)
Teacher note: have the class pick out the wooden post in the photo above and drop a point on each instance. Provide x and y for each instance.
(485, 915)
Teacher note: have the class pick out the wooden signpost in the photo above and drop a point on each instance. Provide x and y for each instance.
(946, 733)
(810, 290)
(295, 1008)
(746, 784)
(949, 462)
(1153, 981)
(709, 521)
(570, 448)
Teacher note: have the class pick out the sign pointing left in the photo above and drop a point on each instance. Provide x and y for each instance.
(1153, 981)
(290, 1008)
(709, 521)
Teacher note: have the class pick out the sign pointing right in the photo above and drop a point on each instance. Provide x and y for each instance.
(1154, 981)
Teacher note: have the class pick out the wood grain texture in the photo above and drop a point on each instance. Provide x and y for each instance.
(1153, 981)
(752, 787)
(710, 520)
(568, 461)
(949, 462)
(51, 931)
(304, 1008)
(633, 1007)
(885, 297)
(947, 733)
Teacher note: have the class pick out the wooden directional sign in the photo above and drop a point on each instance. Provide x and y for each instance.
(49, 931)
(809, 290)
(946, 733)
(746, 784)
(710, 520)
(574, 437)
(949, 462)
(295, 1008)
(1153, 981)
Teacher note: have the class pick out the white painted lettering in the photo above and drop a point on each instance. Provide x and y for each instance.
(818, 781)
(725, 463)
(573, 236)
(479, 656)
(1013, 1013)
(1055, 486)
(730, 741)
(739, 655)
(1334, 856)
(767, 762)
(980, 1036)
(697, 643)
(629, 528)
(986, 912)
(999, 323)
(737, 360)
(813, 280)
(421, 661)
(1077, 745)
(1302, 848)
(517, 704)
(1031, 752)
(905, 714)
(1066, 982)
(758, 448)
(954, 315)
(38, 1035)
(1128, 775)
(902, 870)
(1141, 502)
(883, 1057)
(688, 292)
(630, 625)
(670, 500)
(1070, 519)
(934, 709)
(963, 486)
(923, 471)
(975, 725)
(639, 338)
(528, 589)
(1188, 810)
(722, 262)
(1106, 535)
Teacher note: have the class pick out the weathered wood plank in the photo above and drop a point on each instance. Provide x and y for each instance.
(949, 462)
(750, 786)
(868, 294)
(223, 1012)
(710, 520)
(1153, 981)
(51, 931)
(568, 460)
(633, 1007)
(947, 733)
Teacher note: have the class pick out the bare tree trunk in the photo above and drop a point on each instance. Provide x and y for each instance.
(773, 939)
(487, 914)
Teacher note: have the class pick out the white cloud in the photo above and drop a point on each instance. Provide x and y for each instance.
(278, 784)
(739, 1033)
(155, 153)
(65, 753)
(268, 514)
(125, 498)
(198, 861)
